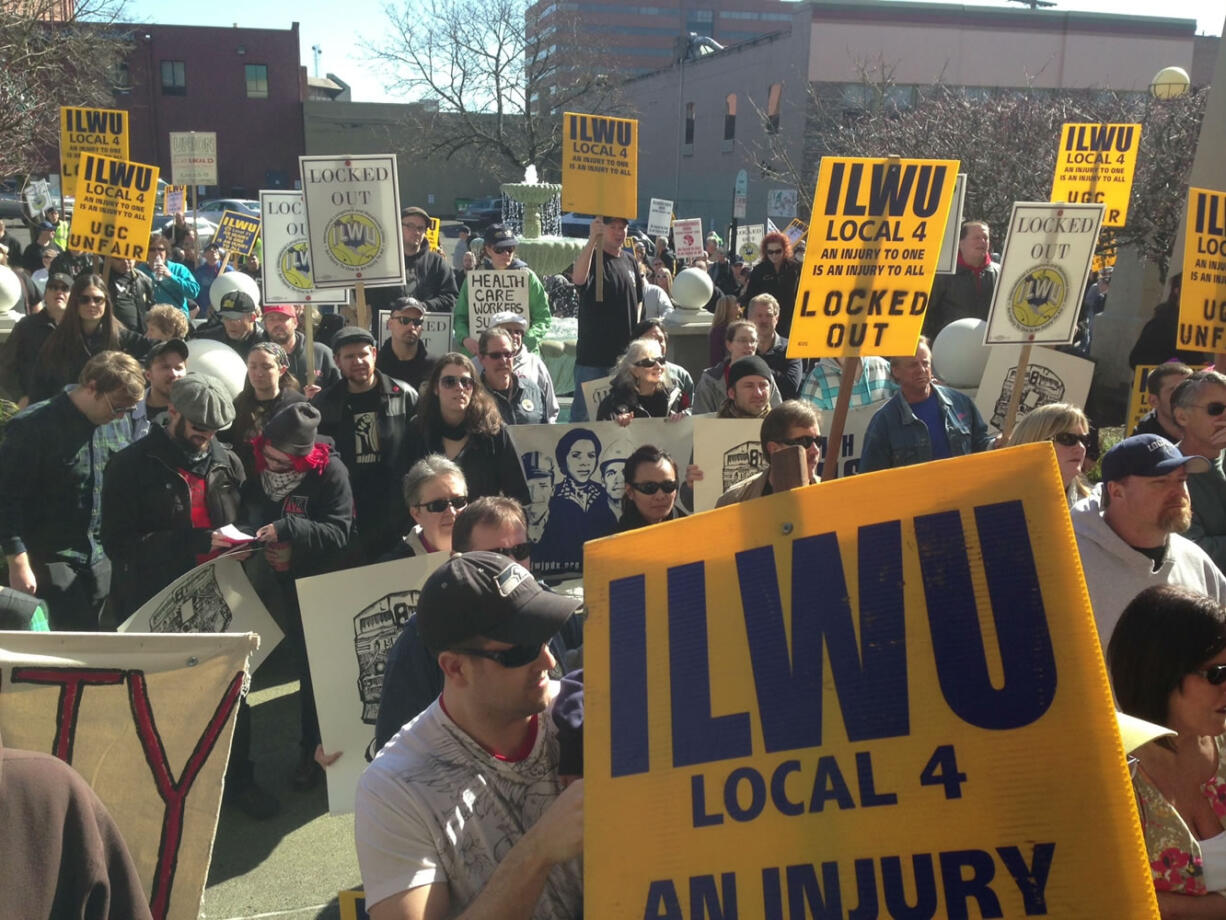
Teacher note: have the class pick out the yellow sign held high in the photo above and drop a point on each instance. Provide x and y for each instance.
(103, 131)
(855, 694)
(873, 241)
(1202, 300)
(1095, 164)
(113, 214)
(600, 164)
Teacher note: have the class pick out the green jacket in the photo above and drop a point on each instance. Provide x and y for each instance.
(539, 316)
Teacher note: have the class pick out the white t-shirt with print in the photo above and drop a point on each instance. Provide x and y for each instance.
(435, 807)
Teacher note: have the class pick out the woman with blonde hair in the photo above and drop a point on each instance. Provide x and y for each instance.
(1068, 429)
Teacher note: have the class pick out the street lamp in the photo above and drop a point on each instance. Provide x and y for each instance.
(1170, 83)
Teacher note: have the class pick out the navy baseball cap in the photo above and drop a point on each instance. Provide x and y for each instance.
(1147, 455)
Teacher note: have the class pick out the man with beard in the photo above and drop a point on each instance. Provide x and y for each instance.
(749, 389)
(281, 325)
(403, 355)
(1128, 534)
(367, 414)
(427, 272)
(164, 500)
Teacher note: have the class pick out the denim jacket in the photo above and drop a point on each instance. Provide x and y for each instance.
(895, 437)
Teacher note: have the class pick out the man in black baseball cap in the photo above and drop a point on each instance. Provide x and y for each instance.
(239, 327)
(482, 755)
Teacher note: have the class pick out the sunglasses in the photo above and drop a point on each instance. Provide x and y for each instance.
(439, 505)
(805, 440)
(668, 487)
(408, 320)
(499, 355)
(1215, 675)
(518, 552)
(89, 298)
(514, 657)
(1214, 408)
(1071, 439)
(774, 252)
(650, 362)
(450, 382)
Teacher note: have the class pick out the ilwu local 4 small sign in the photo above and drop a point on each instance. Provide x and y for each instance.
(857, 699)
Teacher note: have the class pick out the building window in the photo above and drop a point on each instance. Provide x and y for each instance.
(689, 122)
(730, 117)
(773, 100)
(174, 78)
(257, 80)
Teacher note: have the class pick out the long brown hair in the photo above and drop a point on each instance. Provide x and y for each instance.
(481, 416)
(66, 345)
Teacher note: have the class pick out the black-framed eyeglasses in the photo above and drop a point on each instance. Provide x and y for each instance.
(517, 656)
(450, 382)
(805, 440)
(408, 320)
(439, 505)
(774, 252)
(1214, 674)
(1071, 439)
(518, 552)
(650, 362)
(667, 486)
(409, 225)
(1214, 408)
(122, 410)
(499, 355)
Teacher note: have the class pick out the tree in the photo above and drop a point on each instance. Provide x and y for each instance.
(492, 86)
(1006, 142)
(50, 61)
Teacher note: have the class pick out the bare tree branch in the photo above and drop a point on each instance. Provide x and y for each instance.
(47, 64)
(489, 90)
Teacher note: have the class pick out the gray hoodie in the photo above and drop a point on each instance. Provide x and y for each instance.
(1116, 573)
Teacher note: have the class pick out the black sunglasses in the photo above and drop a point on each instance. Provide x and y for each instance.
(1214, 408)
(514, 657)
(805, 440)
(408, 320)
(499, 355)
(1215, 675)
(668, 487)
(450, 382)
(650, 362)
(1071, 439)
(518, 552)
(439, 505)
(774, 252)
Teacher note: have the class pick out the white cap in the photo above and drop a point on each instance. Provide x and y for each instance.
(508, 316)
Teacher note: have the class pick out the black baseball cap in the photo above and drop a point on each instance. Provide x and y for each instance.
(160, 348)
(488, 595)
(352, 335)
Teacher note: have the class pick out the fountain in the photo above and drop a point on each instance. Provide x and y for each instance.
(545, 255)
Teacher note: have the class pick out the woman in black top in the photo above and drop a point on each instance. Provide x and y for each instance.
(642, 387)
(651, 489)
(457, 417)
(89, 326)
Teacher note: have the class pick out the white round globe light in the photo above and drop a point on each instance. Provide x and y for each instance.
(219, 361)
(10, 289)
(1170, 83)
(234, 281)
(959, 355)
(692, 288)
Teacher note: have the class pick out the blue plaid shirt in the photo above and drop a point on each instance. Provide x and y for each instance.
(873, 384)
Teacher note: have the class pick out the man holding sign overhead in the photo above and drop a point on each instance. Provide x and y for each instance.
(606, 324)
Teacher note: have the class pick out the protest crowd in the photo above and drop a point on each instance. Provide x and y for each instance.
(122, 469)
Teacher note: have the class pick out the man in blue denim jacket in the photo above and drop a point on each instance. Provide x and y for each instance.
(922, 421)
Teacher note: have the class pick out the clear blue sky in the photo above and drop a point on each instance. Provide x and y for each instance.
(338, 31)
